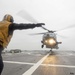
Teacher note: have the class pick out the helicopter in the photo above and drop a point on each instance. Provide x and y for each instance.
(49, 38)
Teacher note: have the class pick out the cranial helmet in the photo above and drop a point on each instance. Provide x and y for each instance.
(8, 18)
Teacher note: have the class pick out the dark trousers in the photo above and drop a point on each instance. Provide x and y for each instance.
(1, 64)
(1, 60)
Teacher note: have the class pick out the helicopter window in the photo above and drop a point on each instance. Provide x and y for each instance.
(52, 35)
(44, 35)
(49, 35)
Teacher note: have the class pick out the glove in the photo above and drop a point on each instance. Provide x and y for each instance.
(40, 24)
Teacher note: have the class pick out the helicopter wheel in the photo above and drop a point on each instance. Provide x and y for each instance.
(42, 46)
(51, 51)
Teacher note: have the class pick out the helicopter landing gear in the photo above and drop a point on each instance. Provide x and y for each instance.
(42, 46)
(51, 51)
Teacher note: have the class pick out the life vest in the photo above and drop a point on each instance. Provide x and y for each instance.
(4, 36)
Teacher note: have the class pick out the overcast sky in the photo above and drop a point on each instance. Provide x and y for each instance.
(56, 14)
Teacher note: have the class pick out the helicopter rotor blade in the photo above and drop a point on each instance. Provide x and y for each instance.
(25, 15)
(45, 28)
(68, 27)
(61, 36)
(47, 32)
(38, 33)
(48, 29)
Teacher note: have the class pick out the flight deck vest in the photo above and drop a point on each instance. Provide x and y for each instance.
(4, 37)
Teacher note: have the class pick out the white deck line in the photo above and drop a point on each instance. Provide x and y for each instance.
(14, 62)
(65, 66)
(35, 66)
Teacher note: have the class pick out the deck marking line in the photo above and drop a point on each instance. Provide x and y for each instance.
(52, 65)
(66, 66)
(14, 62)
(35, 66)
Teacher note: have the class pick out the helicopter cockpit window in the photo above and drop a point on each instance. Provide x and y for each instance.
(52, 35)
(49, 35)
(45, 35)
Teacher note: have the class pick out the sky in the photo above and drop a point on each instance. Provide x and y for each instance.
(56, 14)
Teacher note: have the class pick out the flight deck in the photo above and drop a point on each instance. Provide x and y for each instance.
(39, 63)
